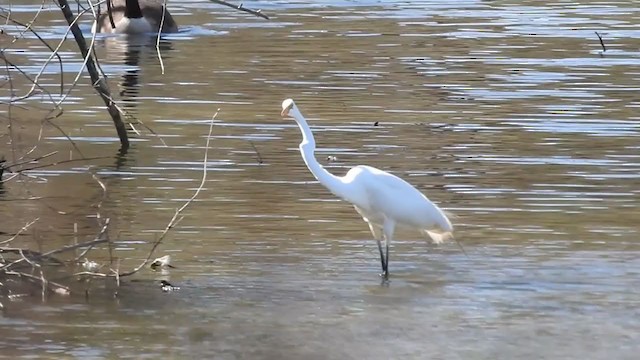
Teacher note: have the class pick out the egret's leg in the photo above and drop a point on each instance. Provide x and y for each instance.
(383, 261)
(377, 234)
(388, 228)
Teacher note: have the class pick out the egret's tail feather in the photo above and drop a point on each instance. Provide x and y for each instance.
(439, 237)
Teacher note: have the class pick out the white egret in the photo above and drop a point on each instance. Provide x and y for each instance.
(382, 199)
(135, 17)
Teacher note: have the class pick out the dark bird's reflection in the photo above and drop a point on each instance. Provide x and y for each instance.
(135, 52)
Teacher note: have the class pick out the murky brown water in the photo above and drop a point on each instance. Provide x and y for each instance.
(503, 112)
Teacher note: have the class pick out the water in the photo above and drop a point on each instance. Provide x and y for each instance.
(507, 114)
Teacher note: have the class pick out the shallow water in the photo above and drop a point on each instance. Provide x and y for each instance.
(508, 114)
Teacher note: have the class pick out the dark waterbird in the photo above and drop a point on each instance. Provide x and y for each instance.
(135, 17)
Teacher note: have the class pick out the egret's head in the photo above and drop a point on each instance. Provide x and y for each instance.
(287, 106)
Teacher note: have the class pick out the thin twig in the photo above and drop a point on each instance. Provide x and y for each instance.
(49, 121)
(31, 160)
(259, 157)
(37, 141)
(117, 271)
(30, 93)
(54, 52)
(105, 224)
(164, 12)
(83, 253)
(242, 8)
(85, 57)
(61, 162)
(153, 132)
(27, 255)
(604, 48)
(100, 238)
(104, 196)
(25, 258)
(44, 285)
(24, 228)
(176, 216)
(55, 287)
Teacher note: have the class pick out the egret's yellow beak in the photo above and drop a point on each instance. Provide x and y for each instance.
(285, 111)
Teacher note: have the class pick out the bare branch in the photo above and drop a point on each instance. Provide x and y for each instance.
(99, 83)
(176, 216)
(259, 157)
(24, 228)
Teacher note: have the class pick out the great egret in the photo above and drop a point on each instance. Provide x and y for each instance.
(382, 199)
(135, 17)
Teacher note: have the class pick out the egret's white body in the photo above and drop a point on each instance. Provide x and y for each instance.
(135, 17)
(384, 200)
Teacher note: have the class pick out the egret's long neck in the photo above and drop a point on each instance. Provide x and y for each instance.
(132, 9)
(307, 149)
